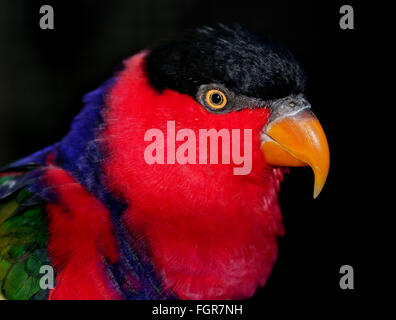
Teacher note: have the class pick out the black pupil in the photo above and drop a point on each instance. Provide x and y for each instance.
(216, 98)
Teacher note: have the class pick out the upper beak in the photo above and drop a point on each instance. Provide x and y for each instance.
(297, 140)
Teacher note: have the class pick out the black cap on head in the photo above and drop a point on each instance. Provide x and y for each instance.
(245, 63)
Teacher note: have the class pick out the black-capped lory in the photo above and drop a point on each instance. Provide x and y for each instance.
(166, 186)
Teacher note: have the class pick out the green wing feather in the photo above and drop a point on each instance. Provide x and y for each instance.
(23, 246)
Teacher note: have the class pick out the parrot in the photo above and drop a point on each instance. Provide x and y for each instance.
(88, 218)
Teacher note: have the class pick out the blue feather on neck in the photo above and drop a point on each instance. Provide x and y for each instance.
(81, 154)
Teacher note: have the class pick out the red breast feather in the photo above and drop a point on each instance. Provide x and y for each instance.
(81, 240)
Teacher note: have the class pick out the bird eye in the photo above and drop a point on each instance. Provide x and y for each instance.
(216, 99)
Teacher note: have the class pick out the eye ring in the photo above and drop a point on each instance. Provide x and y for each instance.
(216, 99)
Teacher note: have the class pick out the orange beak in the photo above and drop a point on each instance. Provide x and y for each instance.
(298, 140)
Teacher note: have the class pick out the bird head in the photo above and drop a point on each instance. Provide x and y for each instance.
(223, 78)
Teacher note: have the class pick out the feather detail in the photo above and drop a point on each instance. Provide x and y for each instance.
(23, 239)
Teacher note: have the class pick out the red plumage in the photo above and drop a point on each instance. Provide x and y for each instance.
(81, 241)
(211, 234)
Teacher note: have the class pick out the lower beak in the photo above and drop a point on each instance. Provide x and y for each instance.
(297, 141)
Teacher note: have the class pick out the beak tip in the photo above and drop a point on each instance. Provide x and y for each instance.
(318, 185)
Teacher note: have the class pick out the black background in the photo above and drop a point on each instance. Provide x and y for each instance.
(44, 74)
